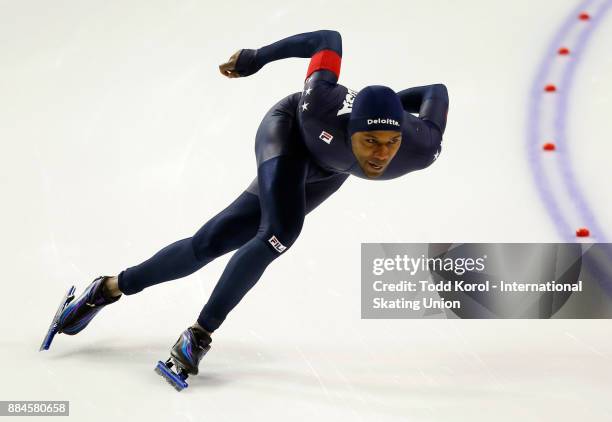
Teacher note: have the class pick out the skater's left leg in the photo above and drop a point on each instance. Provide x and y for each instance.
(285, 199)
(282, 201)
(283, 207)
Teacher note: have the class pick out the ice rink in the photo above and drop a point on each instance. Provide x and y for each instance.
(120, 136)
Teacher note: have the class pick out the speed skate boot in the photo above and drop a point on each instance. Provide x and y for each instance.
(186, 355)
(79, 313)
(73, 316)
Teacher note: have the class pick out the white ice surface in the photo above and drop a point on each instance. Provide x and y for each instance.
(119, 136)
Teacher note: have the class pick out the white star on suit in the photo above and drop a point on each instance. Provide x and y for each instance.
(308, 90)
(304, 106)
(436, 155)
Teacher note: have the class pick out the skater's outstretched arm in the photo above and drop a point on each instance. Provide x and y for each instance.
(429, 101)
(324, 47)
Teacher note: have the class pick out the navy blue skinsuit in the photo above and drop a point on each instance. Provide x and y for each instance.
(304, 155)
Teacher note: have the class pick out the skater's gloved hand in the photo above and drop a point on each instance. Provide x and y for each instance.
(241, 63)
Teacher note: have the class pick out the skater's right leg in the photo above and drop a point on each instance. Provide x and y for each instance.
(111, 284)
(79, 313)
(227, 231)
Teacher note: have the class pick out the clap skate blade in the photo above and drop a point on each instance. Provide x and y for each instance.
(175, 379)
(68, 297)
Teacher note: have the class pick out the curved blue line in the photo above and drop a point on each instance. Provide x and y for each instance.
(533, 130)
(561, 125)
(534, 136)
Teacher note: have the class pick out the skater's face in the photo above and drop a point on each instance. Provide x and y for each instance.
(375, 149)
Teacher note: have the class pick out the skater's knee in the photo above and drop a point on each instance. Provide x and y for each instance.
(281, 236)
(208, 243)
(228, 230)
(203, 247)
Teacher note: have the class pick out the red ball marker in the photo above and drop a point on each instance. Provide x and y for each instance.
(582, 232)
(563, 51)
(549, 146)
(584, 16)
(550, 88)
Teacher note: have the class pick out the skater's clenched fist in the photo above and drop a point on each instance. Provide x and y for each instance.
(228, 68)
